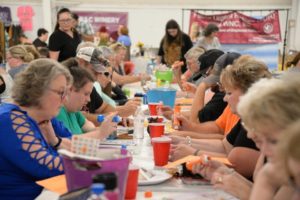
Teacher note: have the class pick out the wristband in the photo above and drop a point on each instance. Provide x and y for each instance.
(196, 152)
(58, 143)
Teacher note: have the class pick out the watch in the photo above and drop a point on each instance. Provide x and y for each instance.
(58, 143)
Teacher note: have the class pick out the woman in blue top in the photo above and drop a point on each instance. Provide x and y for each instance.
(29, 138)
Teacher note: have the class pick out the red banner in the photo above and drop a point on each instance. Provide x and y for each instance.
(111, 20)
(237, 28)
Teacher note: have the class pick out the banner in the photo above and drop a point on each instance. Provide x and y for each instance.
(237, 28)
(111, 20)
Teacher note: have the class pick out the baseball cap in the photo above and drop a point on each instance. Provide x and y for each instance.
(94, 56)
(220, 64)
(209, 58)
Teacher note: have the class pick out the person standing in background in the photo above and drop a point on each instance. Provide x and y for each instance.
(65, 39)
(103, 36)
(125, 40)
(40, 41)
(209, 40)
(174, 45)
(84, 28)
(194, 32)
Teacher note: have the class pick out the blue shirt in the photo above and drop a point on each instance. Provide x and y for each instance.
(25, 156)
(125, 40)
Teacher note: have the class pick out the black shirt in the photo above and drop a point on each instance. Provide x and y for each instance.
(39, 43)
(65, 44)
(237, 137)
(118, 95)
(96, 101)
(213, 109)
(186, 45)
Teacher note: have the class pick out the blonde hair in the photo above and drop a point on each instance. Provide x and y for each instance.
(116, 47)
(288, 146)
(273, 102)
(19, 51)
(31, 49)
(243, 73)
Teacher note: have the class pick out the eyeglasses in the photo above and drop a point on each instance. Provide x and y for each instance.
(62, 94)
(65, 20)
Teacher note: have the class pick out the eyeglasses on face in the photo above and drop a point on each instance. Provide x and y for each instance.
(61, 93)
(65, 20)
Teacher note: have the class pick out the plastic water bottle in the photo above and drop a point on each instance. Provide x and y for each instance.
(110, 180)
(97, 192)
(116, 119)
(139, 118)
(150, 67)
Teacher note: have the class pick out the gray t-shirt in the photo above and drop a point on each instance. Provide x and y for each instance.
(214, 45)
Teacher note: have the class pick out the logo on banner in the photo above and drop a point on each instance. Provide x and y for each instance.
(268, 28)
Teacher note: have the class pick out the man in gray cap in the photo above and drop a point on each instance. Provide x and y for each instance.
(91, 58)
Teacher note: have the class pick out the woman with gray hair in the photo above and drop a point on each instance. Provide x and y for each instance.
(30, 135)
(193, 66)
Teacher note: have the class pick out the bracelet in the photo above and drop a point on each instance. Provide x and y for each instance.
(196, 152)
(58, 143)
(188, 140)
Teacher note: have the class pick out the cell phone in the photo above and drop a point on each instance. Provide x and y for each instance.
(79, 194)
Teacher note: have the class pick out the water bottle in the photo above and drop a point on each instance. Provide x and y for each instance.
(110, 181)
(116, 119)
(150, 67)
(139, 118)
(97, 192)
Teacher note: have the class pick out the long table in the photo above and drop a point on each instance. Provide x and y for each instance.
(171, 189)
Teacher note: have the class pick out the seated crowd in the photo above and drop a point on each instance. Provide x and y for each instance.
(239, 112)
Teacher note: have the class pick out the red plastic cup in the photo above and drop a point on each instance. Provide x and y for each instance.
(153, 107)
(132, 182)
(161, 150)
(156, 129)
